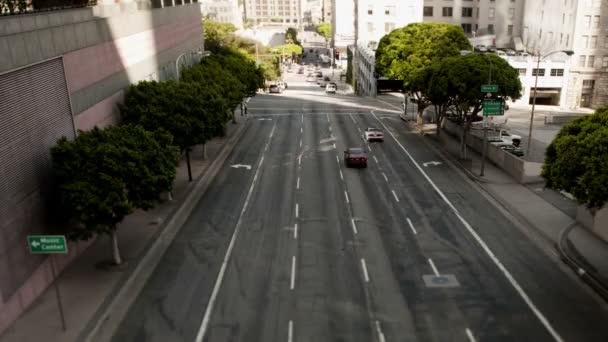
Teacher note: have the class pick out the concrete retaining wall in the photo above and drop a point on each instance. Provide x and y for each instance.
(522, 171)
(597, 223)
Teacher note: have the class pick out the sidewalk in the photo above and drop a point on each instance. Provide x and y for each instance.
(89, 291)
(578, 247)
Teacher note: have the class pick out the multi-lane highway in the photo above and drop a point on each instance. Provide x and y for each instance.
(301, 248)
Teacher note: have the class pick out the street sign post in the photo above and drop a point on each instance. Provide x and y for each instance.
(47, 244)
(489, 88)
(493, 107)
(50, 244)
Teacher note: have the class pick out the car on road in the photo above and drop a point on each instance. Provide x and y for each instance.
(275, 89)
(323, 83)
(331, 88)
(301, 71)
(355, 157)
(373, 134)
(310, 79)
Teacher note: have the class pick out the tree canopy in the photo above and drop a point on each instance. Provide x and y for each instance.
(577, 159)
(218, 35)
(324, 29)
(291, 36)
(288, 49)
(105, 174)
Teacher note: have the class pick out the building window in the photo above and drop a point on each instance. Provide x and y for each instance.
(587, 21)
(567, 39)
(588, 84)
(370, 27)
(593, 42)
(510, 30)
(590, 61)
(596, 21)
(466, 27)
(370, 9)
(538, 72)
(561, 38)
(428, 11)
(563, 18)
(605, 62)
(490, 28)
(388, 27)
(581, 61)
(522, 71)
(447, 11)
(389, 10)
(511, 13)
(467, 12)
(557, 72)
(491, 13)
(585, 42)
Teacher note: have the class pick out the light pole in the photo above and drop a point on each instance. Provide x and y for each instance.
(200, 53)
(485, 127)
(567, 52)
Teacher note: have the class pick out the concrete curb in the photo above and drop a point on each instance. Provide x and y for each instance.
(108, 317)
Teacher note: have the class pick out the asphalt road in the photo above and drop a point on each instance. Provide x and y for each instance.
(316, 251)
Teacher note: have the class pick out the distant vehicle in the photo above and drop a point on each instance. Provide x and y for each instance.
(491, 48)
(282, 84)
(310, 79)
(275, 89)
(480, 48)
(501, 53)
(301, 71)
(374, 134)
(331, 88)
(355, 156)
(318, 74)
(510, 52)
(322, 83)
(502, 136)
(524, 54)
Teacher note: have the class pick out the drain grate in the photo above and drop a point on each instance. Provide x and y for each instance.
(444, 280)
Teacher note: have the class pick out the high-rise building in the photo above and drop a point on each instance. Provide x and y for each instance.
(224, 11)
(274, 12)
(326, 10)
(500, 18)
(580, 26)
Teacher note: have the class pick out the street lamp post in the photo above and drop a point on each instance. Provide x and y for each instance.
(485, 128)
(567, 52)
(200, 53)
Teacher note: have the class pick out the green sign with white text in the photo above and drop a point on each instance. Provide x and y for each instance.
(47, 244)
(493, 107)
(489, 88)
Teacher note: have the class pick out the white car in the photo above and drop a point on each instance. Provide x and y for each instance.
(373, 134)
(331, 88)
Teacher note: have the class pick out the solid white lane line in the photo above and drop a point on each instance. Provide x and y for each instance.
(341, 175)
(301, 129)
(481, 243)
(395, 195)
(381, 337)
(220, 278)
(369, 148)
(299, 160)
(352, 222)
(384, 175)
(338, 159)
(290, 331)
(297, 210)
(470, 335)
(353, 118)
(298, 183)
(433, 267)
(411, 225)
(295, 231)
(272, 131)
(302, 118)
(327, 115)
(300, 143)
(364, 267)
(292, 283)
(334, 146)
(330, 128)
(376, 159)
(346, 196)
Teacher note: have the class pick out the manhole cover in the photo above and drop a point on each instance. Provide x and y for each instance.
(444, 280)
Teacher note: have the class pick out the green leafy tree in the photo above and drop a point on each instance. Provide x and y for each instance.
(288, 49)
(176, 107)
(455, 83)
(577, 159)
(291, 36)
(325, 30)
(404, 54)
(218, 35)
(106, 174)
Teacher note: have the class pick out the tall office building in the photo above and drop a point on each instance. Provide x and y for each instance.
(326, 10)
(502, 18)
(274, 12)
(580, 26)
(224, 11)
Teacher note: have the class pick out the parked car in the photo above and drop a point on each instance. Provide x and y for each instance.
(355, 156)
(510, 52)
(373, 134)
(275, 89)
(331, 88)
(323, 83)
(310, 79)
(491, 48)
(501, 53)
(301, 71)
(480, 48)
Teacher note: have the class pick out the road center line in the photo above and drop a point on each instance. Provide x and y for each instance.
(369, 148)
(481, 243)
(470, 335)
(411, 226)
(376, 159)
(292, 283)
(298, 183)
(341, 176)
(338, 159)
(433, 267)
(301, 129)
(352, 118)
(295, 231)
(302, 121)
(290, 331)
(299, 160)
(327, 115)
(384, 175)
(346, 196)
(220, 277)
(330, 128)
(297, 210)
(364, 267)
(354, 225)
(395, 195)
(381, 337)
(300, 143)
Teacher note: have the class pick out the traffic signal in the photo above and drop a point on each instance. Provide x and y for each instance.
(337, 55)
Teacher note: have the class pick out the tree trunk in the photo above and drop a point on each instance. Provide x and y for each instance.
(188, 163)
(115, 250)
(204, 151)
(463, 142)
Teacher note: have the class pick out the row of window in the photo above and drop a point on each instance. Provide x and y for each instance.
(388, 27)
(388, 10)
(541, 72)
(589, 61)
(466, 12)
(468, 28)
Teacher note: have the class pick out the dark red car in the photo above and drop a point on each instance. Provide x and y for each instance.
(355, 156)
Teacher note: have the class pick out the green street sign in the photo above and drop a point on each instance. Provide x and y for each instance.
(493, 107)
(489, 88)
(47, 244)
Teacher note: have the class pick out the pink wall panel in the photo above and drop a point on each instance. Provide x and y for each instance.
(86, 66)
(101, 114)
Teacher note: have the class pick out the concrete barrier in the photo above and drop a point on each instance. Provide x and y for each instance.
(522, 171)
(596, 222)
(561, 118)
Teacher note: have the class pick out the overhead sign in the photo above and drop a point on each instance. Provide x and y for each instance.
(493, 107)
(47, 244)
(489, 88)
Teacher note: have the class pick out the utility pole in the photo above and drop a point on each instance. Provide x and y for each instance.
(485, 128)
